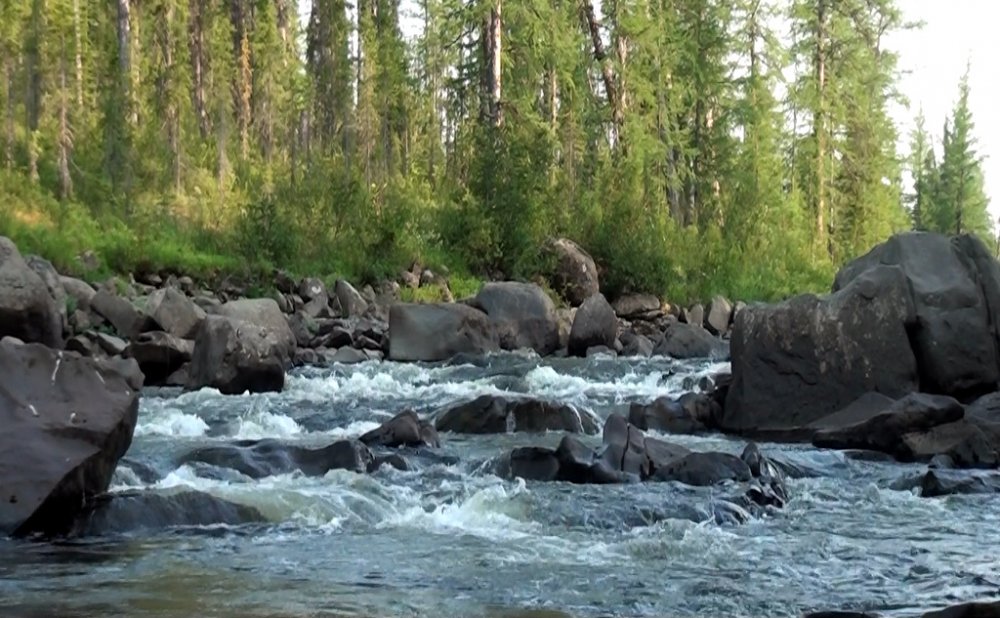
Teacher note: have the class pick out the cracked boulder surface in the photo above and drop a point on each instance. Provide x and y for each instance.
(918, 313)
(66, 420)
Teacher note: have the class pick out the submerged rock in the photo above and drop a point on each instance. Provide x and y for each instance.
(261, 458)
(404, 429)
(66, 420)
(147, 511)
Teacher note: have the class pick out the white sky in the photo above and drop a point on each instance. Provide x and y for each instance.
(933, 59)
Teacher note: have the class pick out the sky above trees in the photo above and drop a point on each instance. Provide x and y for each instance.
(933, 59)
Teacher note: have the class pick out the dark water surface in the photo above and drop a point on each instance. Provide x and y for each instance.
(455, 540)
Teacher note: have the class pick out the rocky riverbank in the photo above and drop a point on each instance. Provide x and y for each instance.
(900, 362)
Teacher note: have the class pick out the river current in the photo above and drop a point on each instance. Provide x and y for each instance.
(451, 539)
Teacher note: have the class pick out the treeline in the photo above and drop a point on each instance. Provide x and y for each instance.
(691, 146)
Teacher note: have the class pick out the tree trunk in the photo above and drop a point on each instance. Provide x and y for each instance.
(65, 139)
(199, 65)
(243, 87)
(8, 66)
(78, 36)
(491, 112)
(33, 96)
(124, 28)
(607, 72)
(166, 86)
(819, 122)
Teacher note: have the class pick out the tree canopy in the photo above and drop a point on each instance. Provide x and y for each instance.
(693, 146)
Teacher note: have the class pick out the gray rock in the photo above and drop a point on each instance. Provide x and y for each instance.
(522, 314)
(111, 345)
(27, 309)
(125, 317)
(805, 358)
(351, 302)
(235, 356)
(265, 314)
(887, 432)
(67, 421)
(685, 341)
(953, 287)
(404, 429)
(636, 345)
(433, 332)
(701, 469)
(159, 355)
(595, 324)
(174, 312)
(575, 277)
(636, 305)
(718, 316)
(80, 291)
(348, 356)
(47, 272)
(492, 414)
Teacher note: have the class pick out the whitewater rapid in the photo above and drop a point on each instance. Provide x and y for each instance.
(449, 538)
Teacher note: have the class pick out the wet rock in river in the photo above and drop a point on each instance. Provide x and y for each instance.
(145, 511)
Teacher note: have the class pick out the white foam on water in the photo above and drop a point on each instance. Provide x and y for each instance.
(170, 422)
(388, 384)
(548, 383)
(257, 422)
(493, 513)
(353, 430)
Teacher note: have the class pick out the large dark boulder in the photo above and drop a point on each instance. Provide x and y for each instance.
(66, 420)
(890, 432)
(234, 357)
(264, 314)
(261, 458)
(434, 332)
(174, 312)
(575, 274)
(28, 310)
(800, 360)
(953, 285)
(159, 355)
(705, 469)
(685, 341)
(404, 429)
(522, 314)
(937, 483)
(492, 414)
(594, 325)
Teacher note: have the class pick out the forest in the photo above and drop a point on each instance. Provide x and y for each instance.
(693, 147)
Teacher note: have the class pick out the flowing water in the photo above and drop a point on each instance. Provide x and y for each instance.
(452, 539)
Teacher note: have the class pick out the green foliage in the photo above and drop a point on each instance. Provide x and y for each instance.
(228, 138)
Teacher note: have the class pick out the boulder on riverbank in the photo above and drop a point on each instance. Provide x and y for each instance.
(27, 310)
(67, 421)
(435, 332)
(800, 360)
(594, 325)
(235, 357)
(575, 276)
(522, 314)
(917, 313)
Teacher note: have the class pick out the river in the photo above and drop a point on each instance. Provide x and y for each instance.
(451, 539)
